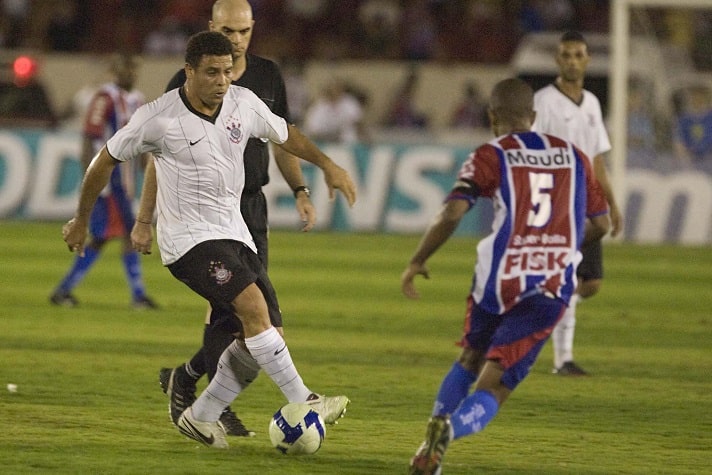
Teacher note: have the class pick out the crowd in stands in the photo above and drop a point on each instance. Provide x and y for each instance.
(484, 31)
(296, 31)
(481, 31)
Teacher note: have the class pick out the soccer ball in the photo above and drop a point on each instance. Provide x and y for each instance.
(296, 429)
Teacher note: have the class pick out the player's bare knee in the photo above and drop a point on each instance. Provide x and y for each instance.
(471, 360)
(250, 307)
(253, 323)
(490, 379)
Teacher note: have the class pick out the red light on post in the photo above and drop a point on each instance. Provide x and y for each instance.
(24, 68)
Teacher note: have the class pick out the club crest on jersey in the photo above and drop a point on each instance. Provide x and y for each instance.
(234, 131)
(221, 275)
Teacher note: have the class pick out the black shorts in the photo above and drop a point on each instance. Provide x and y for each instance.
(219, 271)
(591, 266)
(253, 207)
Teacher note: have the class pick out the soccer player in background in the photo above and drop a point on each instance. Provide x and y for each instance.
(234, 19)
(112, 217)
(569, 111)
(543, 190)
(197, 135)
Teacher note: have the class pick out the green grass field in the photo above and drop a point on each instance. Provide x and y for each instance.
(88, 399)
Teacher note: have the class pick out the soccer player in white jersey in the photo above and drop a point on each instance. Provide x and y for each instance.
(197, 135)
(569, 111)
(543, 190)
(234, 19)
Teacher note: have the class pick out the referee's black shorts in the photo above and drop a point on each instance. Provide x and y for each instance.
(591, 266)
(219, 270)
(253, 207)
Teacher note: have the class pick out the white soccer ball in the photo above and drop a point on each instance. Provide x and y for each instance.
(297, 429)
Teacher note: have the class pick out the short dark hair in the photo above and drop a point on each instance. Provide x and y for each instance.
(512, 99)
(573, 36)
(207, 43)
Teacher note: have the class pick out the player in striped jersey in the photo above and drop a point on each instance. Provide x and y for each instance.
(197, 135)
(110, 109)
(544, 194)
(569, 111)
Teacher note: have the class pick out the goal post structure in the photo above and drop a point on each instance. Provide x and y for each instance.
(618, 79)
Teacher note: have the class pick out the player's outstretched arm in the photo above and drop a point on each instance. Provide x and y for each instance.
(142, 231)
(288, 165)
(438, 232)
(599, 169)
(95, 179)
(596, 228)
(336, 177)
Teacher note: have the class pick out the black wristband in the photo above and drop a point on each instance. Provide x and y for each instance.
(303, 188)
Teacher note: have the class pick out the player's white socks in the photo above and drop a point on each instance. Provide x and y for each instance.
(562, 337)
(270, 351)
(236, 370)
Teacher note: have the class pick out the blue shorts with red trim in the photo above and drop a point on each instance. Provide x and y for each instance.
(112, 216)
(108, 220)
(515, 338)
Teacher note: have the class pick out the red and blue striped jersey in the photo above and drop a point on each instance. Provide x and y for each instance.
(543, 189)
(110, 109)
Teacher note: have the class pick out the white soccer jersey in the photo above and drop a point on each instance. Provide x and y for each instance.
(199, 164)
(582, 124)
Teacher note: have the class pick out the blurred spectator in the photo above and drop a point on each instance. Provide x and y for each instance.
(138, 19)
(403, 112)
(297, 90)
(13, 22)
(592, 16)
(309, 10)
(471, 112)
(484, 34)
(531, 19)
(191, 15)
(693, 134)
(64, 31)
(377, 35)
(168, 39)
(336, 28)
(552, 15)
(641, 128)
(335, 116)
(557, 14)
(702, 47)
(678, 24)
(420, 37)
(305, 27)
(118, 25)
